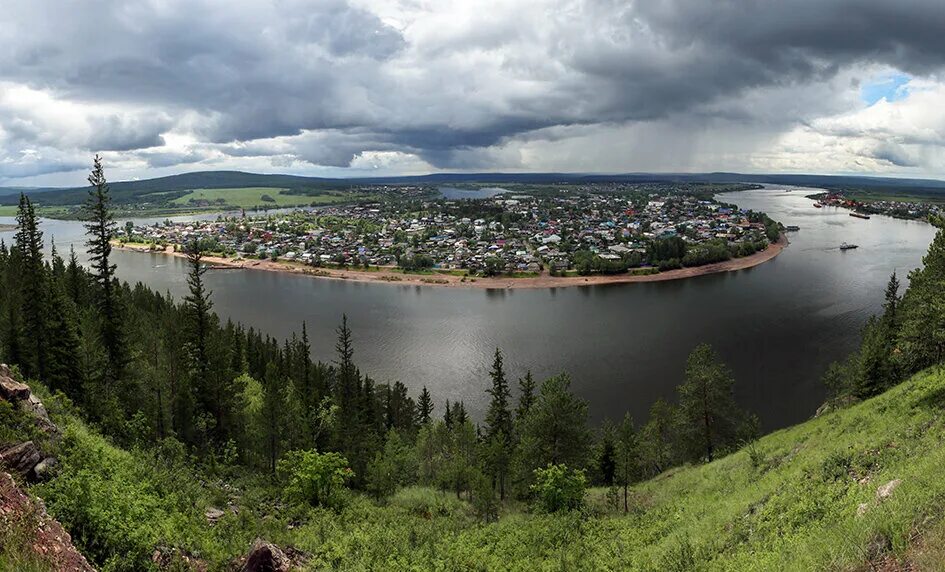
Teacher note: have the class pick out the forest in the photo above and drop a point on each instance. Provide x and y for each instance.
(174, 383)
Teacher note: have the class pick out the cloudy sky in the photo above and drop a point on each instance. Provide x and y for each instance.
(354, 87)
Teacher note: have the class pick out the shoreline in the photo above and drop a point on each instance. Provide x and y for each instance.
(451, 281)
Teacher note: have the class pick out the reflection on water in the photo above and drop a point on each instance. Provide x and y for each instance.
(778, 325)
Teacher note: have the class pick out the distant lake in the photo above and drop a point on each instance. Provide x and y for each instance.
(778, 325)
(454, 193)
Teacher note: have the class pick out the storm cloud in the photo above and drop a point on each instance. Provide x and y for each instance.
(335, 85)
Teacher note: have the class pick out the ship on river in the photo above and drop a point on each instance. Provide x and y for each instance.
(860, 215)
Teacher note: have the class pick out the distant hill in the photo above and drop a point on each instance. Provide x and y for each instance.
(166, 188)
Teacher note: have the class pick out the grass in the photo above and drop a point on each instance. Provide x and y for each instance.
(788, 501)
(252, 197)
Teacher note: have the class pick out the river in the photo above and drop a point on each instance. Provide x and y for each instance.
(778, 325)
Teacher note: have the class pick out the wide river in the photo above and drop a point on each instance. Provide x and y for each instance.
(777, 325)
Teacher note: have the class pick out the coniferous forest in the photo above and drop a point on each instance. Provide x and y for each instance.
(150, 385)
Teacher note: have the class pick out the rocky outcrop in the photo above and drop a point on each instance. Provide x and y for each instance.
(27, 459)
(45, 537)
(267, 557)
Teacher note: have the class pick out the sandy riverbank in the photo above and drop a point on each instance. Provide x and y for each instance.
(450, 281)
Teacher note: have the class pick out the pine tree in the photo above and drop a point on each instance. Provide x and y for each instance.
(710, 418)
(34, 290)
(555, 431)
(198, 306)
(101, 229)
(64, 369)
(74, 278)
(627, 458)
(658, 437)
(424, 407)
(526, 398)
(499, 426)
(922, 334)
(448, 415)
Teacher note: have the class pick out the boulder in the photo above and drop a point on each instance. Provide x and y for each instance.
(45, 469)
(213, 515)
(13, 390)
(266, 557)
(21, 458)
(886, 491)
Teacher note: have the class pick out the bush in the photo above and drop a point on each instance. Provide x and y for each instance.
(559, 488)
(315, 478)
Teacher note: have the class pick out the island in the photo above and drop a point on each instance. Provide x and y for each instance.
(7, 227)
(594, 234)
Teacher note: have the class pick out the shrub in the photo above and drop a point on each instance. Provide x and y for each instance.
(315, 478)
(559, 488)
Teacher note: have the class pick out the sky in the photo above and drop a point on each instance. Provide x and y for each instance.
(389, 87)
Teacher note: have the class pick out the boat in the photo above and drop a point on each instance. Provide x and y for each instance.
(845, 246)
(791, 228)
(818, 205)
(860, 215)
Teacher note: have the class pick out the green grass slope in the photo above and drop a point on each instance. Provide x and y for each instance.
(787, 502)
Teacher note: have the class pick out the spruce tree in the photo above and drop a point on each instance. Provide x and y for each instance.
(34, 289)
(424, 407)
(205, 382)
(499, 428)
(101, 229)
(64, 371)
(526, 398)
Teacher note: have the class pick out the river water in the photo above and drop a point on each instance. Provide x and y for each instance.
(777, 325)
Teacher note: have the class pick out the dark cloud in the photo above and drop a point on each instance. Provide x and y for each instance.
(322, 81)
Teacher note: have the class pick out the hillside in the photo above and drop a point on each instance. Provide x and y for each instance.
(851, 489)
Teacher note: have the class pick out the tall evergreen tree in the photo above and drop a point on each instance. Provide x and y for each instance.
(206, 381)
(424, 407)
(34, 290)
(658, 437)
(498, 434)
(64, 371)
(526, 388)
(626, 453)
(710, 418)
(101, 229)
(555, 431)
(922, 335)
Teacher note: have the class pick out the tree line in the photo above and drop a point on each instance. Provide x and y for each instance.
(145, 368)
(907, 337)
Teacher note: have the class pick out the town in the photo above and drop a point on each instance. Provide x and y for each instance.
(572, 231)
(910, 210)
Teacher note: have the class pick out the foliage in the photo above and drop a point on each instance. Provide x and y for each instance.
(558, 488)
(315, 478)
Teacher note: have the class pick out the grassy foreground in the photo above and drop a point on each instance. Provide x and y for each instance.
(787, 502)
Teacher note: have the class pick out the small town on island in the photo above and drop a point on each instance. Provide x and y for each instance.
(606, 229)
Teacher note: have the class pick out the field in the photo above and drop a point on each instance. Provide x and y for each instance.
(804, 498)
(252, 197)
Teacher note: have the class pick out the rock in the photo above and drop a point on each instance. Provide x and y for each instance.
(213, 515)
(885, 491)
(51, 543)
(45, 469)
(13, 390)
(34, 406)
(21, 458)
(266, 557)
(5, 370)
